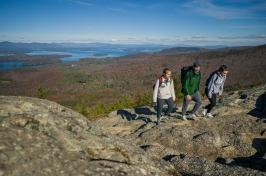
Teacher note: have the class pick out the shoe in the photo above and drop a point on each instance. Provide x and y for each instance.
(184, 118)
(165, 117)
(209, 115)
(204, 112)
(194, 117)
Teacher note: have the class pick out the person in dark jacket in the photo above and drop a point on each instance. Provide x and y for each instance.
(190, 89)
(214, 88)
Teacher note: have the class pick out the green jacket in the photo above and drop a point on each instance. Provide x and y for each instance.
(192, 82)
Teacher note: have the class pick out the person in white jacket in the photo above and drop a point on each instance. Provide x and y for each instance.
(214, 88)
(164, 92)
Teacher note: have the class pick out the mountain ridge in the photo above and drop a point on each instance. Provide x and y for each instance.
(40, 137)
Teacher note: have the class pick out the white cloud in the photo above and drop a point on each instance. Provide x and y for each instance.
(81, 2)
(245, 37)
(247, 27)
(211, 9)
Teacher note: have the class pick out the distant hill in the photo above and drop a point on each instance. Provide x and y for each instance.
(7, 47)
(11, 47)
(106, 82)
(179, 50)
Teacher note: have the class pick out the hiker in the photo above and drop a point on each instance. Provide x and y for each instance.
(164, 92)
(214, 88)
(190, 79)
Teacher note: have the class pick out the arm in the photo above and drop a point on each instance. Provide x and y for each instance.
(211, 85)
(173, 89)
(199, 82)
(186, 84)
(155, 91)
(222, 87)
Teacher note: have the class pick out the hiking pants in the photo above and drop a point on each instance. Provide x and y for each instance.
(212, 100)
(160, 103)
(196, 98)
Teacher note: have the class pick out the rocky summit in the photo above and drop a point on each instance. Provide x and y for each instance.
(40, 137)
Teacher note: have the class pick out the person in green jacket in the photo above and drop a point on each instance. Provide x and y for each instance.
(190, 89)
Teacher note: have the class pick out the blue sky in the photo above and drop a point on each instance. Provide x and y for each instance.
(194, 22)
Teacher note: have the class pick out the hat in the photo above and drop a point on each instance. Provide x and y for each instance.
(196, 64)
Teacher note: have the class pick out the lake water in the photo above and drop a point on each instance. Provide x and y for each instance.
(76, 55)
(6, 54)
(10, 65)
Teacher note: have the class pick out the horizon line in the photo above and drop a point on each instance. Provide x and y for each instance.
(131, 43)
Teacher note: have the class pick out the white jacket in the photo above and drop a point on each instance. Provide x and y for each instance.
(164, 91)
(216, 85)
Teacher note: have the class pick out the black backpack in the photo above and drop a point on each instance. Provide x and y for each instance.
(184, 72)
(209, 78)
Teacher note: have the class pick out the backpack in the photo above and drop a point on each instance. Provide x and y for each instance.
(184, 72)
(209, 78)
(160, 82)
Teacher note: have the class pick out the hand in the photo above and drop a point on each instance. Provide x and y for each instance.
(174, 98)
(154, 104)
(188, 97)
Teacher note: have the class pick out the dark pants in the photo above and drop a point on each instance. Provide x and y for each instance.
(160, 103)
(212, 100)
(196, 98)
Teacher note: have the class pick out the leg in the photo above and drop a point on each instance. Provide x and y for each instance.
(185, 106)
(208, 106)
(159, 109)
(212, 103)
(210, 100)
(170, 103)
(197, 99)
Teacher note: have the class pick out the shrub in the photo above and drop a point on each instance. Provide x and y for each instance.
(41, 93)
(101, 109)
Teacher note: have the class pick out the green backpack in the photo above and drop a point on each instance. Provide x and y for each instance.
(184, 72)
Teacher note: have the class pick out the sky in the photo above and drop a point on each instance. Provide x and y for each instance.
(170, 22)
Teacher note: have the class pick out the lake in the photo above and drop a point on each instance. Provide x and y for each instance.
(10, 65)
(6, 54)
(76, 55)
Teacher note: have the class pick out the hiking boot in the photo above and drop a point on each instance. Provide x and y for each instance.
(194, 116)
(209, 115)
(184, 118)
(204, 112)
(165, 117)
